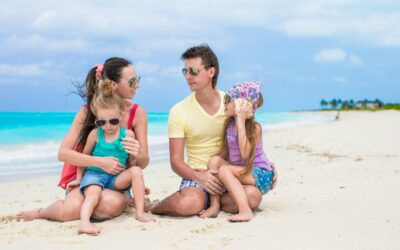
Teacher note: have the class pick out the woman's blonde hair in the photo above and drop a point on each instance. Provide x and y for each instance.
(250, 127)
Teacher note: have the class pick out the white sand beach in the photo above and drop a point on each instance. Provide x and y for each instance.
(338, 188)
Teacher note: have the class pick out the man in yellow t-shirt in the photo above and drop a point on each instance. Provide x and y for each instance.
(196, 124)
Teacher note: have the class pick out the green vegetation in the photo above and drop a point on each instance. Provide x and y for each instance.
(339, 104)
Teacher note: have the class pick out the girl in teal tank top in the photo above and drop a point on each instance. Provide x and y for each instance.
(114, 148)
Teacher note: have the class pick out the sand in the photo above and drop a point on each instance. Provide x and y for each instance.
(338, 188)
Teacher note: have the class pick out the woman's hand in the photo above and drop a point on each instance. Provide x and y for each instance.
(110, 165)
(131, 146)
(243, 108)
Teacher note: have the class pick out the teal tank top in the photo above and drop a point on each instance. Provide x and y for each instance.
(115, 148)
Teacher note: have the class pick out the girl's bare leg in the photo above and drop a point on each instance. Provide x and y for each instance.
(214, 163)
(92, 197)
(230, 176)
(134, 177)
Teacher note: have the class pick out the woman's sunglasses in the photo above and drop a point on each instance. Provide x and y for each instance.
(134, 82)
(227, 99)
(101, 123)
(191, 70)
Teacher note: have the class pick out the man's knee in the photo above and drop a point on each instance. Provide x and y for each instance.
(188, 205)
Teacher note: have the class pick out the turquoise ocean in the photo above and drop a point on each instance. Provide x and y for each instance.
(29, 141)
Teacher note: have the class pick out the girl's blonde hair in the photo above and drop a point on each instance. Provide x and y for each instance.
(105, 98)
(250, 127)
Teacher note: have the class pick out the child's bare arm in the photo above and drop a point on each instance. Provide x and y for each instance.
(242, 109)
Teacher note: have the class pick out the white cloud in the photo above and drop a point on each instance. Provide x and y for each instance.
(39, 43)
(330, 55)
(338, 55)
(21, 70)
(172, 71)
(142, 20)
(146, 68)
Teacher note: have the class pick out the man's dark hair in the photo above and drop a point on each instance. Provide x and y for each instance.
(207, 56)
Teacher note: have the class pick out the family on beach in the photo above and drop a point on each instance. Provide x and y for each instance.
(226, 167)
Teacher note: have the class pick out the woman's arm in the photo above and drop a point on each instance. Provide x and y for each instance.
(67, 152)
(131, 159)
(140, 131)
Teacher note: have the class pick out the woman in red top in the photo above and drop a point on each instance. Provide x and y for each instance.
(112, 203)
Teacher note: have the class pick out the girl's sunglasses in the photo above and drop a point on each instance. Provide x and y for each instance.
(134, 82)
(227, 99)
(191, 70)
(101, 123)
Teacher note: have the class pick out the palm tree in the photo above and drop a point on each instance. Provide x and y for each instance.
(323, 103)
(339, 102)
(345, 105)
(379, 103)
(333, 103)
(351, 103)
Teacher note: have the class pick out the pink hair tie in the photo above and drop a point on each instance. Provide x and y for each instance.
(99, 71)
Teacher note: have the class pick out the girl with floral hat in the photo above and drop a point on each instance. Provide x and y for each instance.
(241, 159)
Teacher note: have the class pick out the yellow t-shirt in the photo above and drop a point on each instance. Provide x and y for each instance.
(201, 131)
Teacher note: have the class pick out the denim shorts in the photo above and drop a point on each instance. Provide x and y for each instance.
(263, 179)
(185, 183)
(102, 179)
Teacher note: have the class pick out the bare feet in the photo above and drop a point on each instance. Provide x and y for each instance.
(148, 204)
(143, 218)
(88, 228)
(241, 217)
(210, 212)
(28, 215)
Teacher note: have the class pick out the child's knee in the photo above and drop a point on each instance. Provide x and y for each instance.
(136, 171)
(224, 171)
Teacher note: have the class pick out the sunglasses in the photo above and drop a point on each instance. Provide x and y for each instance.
(101, 123)
(227, 99)
(191, 70)
(134, 82)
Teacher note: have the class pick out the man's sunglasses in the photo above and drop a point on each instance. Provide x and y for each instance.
(101, 123)
(134, 82)
(191, 70)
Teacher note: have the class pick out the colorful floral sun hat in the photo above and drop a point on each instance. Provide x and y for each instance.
(247, 90)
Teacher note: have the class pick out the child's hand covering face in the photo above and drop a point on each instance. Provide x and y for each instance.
(243, 108)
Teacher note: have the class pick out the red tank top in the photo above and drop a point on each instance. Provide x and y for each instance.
(68, 173)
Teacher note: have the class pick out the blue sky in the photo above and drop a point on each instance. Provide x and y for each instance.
(302, 51)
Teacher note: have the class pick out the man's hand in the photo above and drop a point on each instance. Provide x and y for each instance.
(208, 180)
